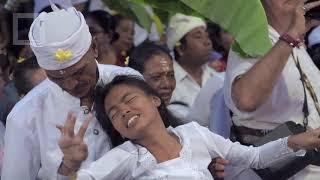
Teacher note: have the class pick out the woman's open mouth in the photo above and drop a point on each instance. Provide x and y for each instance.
(132, 121)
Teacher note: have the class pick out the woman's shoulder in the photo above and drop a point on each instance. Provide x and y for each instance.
(195, 130)
(193, 125)
(191, 128)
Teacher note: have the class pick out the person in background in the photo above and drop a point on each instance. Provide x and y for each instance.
(188, 38)
(102, 28)
(8, 92)
(154, 62)
(221, 43)
(125, 28)
(27, 74)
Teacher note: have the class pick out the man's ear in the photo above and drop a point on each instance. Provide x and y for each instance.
(156, 101)
(179, 50)
(94, 46)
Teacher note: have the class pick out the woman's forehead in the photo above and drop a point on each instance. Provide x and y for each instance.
(122, 89)
(118, 93)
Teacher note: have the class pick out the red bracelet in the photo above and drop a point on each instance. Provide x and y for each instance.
(290, 40)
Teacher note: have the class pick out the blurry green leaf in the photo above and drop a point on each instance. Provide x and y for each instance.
(141, 15)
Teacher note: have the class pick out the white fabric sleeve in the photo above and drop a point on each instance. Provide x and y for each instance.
(246, 156)
(115, 164)
(21, 152)
(236, 66)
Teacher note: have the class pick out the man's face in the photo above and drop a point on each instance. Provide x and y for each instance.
(80, 79)
(198, 45)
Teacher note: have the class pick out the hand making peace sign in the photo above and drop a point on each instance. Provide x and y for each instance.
(72, 145)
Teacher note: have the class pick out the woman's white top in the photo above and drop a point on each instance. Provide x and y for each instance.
(199, 146)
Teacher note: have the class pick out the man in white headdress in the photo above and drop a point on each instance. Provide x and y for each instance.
(188, 38)
(64, 48)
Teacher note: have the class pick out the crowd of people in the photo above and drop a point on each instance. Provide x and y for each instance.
(91, 97)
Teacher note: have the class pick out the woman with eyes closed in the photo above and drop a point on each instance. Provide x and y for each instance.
(149, 146)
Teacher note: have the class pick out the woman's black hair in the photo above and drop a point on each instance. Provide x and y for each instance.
(21, 77)
(142, 53)
(103, 91)
(106, 21)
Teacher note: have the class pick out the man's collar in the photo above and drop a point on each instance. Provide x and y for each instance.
(179, 72)
(99, 74)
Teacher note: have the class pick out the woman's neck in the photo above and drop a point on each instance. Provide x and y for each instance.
(161, 144)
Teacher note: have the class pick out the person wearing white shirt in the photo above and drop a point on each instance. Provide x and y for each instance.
(64, 48)
(265, 92)
(188, 38)
(137, 120)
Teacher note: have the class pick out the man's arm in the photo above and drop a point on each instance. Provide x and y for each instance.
(251, 90)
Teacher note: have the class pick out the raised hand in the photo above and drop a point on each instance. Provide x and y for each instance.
(298, 24)
(72, 145)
